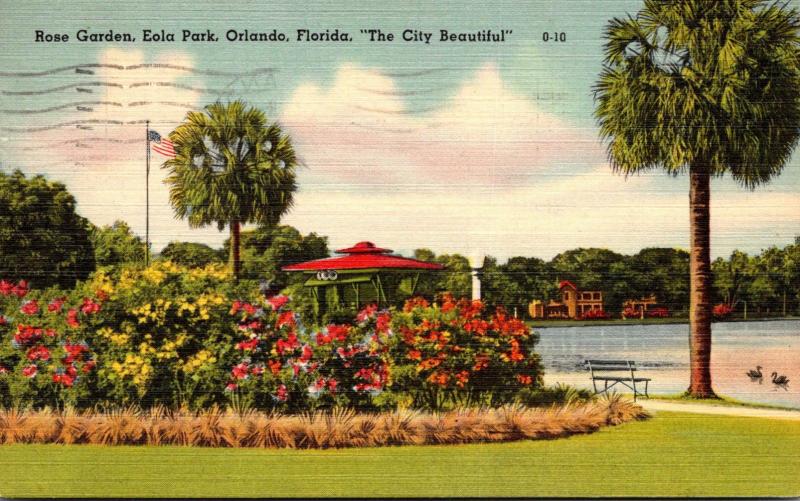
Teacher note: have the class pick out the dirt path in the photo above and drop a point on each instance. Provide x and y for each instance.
(723, 410)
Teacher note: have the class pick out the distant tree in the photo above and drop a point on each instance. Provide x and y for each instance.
(703, 87)
(117, 244)
(42, 238)
(266, 250)
(499, 289)
(455, 278)
(733, 278)
(232, 168)
(192, 254)
(659, 271)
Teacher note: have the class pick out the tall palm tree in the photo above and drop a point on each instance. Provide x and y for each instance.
(706, 87)
(231, 168)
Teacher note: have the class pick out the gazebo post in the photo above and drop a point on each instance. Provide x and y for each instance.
(414, 283)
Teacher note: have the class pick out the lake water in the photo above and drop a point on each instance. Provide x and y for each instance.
(662, 353)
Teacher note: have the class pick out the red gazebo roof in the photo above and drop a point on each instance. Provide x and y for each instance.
(361, 256)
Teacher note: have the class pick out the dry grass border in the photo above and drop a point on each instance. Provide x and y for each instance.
(335, 429)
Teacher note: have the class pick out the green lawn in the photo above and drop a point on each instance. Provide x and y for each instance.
(673, 454)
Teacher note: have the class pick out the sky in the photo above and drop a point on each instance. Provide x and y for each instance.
(473, 148)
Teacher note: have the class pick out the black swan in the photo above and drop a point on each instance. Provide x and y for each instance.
(781, 381)
(755, 374)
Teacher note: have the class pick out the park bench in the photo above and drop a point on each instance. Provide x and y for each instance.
(616, 372)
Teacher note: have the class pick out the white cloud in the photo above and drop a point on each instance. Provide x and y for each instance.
(488, 171)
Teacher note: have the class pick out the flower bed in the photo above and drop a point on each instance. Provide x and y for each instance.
(179, 337)
(336, 429)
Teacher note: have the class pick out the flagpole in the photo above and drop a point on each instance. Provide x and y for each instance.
(147, 198)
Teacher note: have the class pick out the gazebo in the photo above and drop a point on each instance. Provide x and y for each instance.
(364, 274)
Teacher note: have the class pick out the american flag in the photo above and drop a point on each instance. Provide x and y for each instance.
(161, 145)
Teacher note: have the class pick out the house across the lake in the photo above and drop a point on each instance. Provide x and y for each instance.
(574, 303)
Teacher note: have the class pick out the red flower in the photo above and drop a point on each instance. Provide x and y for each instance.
(88, 366)
(285, 318)
(289, 344)
(282, 394)
(30, 307)
(64, 379)
(3, 369)
(3, 320)
(307, 353)
(241, 371)
(382, 325)
(72, 318)
(21, 289)
(89, 307)
(323, 339)
(275, 366)
(56, 304)
(30, 371)
(257, 370)
(414, 355)
(338, 332)
(74, 351)
(247, 345)
(38, 352)
(277, 302)
(235, 307)
(249, 308)
(332, 385)
(101, 295)
(27, 335)
(526, 380)
(367, 313)
(231, 387)
(6, 287)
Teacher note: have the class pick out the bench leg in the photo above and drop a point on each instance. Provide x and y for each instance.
(634, 389)
(646, 384)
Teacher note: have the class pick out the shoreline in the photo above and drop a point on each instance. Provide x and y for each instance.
(539, 324)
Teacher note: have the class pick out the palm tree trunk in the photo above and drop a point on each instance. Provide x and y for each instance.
(236, 263)
(700, 284)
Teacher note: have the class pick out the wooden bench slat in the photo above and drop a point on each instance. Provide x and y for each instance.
(613, 368)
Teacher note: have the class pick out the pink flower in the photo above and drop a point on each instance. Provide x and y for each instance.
(241, 371)
(277, 302)
(282, 394)
(231, 387)
(3, 369)
(30, 307)
(30, 371)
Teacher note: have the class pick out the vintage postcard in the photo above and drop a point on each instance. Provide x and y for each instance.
(399, 249)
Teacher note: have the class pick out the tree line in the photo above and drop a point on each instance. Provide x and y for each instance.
(44, 240)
